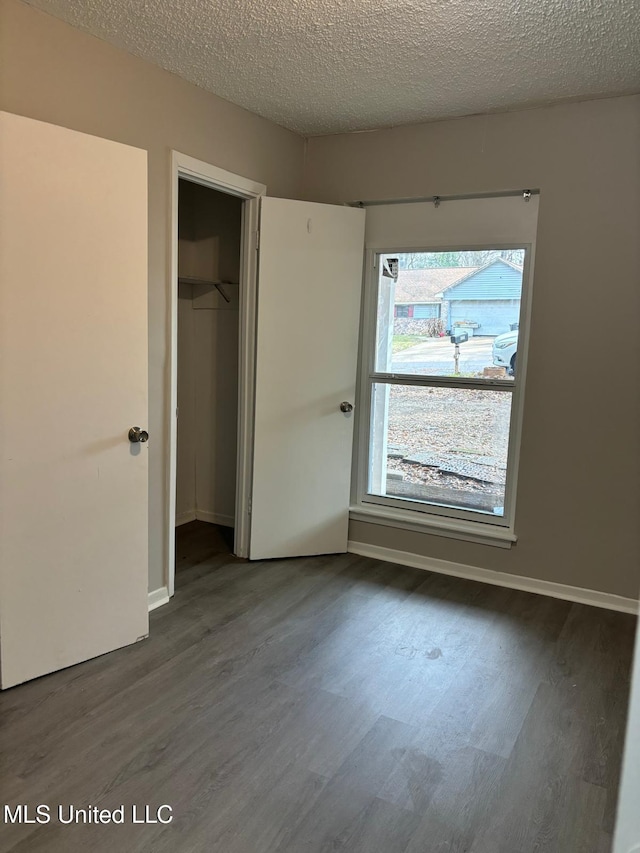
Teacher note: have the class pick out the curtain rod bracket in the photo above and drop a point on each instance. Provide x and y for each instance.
(526, 195)
(436, 201)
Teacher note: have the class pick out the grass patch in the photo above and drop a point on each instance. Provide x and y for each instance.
(401, 342)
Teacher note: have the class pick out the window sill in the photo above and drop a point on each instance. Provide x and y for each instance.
(468, 531)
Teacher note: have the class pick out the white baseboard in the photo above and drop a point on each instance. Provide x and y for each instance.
(215, 518)
(541, 587)
(185, 517)
(158, 597)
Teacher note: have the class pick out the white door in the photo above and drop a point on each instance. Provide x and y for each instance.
(309, 285)
(73, 380)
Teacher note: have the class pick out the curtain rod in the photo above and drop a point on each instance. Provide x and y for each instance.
(436, 199)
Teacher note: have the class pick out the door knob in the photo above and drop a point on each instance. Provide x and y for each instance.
(346, 407)
(137, 434)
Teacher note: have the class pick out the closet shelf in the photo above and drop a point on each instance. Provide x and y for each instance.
(203, 282)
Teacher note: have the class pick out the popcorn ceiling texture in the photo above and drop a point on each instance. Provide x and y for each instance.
(327, 66)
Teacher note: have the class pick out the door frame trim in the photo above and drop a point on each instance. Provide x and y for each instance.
(197, 171)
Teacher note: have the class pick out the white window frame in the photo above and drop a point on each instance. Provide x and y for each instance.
(402, 513)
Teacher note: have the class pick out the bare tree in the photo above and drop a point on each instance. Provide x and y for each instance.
(462, 258)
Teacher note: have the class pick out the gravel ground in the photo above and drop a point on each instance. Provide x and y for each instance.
(473, 425)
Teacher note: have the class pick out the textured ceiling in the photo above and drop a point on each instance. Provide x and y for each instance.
(325, 66)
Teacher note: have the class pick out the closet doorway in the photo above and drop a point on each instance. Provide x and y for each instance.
(209, 231)
(214, 225)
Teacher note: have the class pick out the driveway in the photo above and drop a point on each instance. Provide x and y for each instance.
(435, 356)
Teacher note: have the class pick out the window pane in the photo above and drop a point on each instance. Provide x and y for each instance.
(425, 297)
(445, 446)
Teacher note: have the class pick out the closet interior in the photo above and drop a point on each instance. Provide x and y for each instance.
(209, 240)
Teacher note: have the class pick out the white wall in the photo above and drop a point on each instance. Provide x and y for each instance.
(209, 248)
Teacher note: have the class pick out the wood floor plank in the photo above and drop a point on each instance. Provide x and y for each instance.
(583, 820)
(341, 810)
(266, 821)
(540, 784)
(383, 826)
(467, 791)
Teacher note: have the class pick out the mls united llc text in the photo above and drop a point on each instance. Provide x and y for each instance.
(68, 814)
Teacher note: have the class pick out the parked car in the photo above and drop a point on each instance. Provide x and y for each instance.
(505, 349)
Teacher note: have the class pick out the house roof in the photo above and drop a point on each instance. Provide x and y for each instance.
(416, 286)
(492, 281)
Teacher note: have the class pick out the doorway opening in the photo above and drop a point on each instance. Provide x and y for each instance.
(209, 254)
(214, 223)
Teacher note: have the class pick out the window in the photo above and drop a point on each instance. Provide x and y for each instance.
(440, 408)
(404, 311)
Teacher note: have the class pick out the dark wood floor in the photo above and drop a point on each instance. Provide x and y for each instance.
(331, 704)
